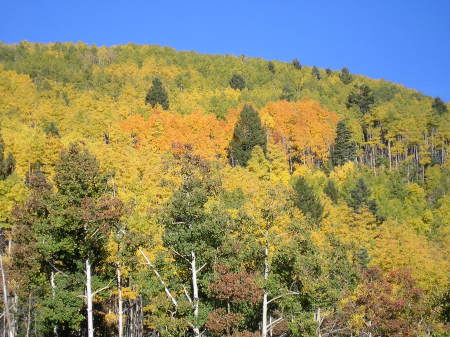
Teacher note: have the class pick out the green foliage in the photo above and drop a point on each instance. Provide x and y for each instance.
(438, 106)
(237, 82)
(360, 197)
(331, 191)
(345, 76)
(296, 64)
(271, 67)
(316, 73)
(362, 97)
(289, 92)
(157, 95)
(306, 200)
(344, 148)
(51, 130)
(248, 133)
(8, 164)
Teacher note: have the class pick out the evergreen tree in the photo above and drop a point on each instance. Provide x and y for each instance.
(248, 133)
(362, 97)
(51, 130)
(271, 67)
(359, 197)
(237, 82)
(331, 191)
(8, 164)
(439, 106)
(296, 64)
(306, 200)
(289, 93)
(345, 76)
(316, 73)
(344, 148)
(328, 71)
(157, 95)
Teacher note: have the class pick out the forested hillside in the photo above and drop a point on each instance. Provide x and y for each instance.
(150, 192)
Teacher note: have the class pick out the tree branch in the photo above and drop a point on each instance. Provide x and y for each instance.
(280, 296)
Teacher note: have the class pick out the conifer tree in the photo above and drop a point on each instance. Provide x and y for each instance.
(271, 67)
(359, 197)
(248, 133)
(345, 76)
(344, 149)
(237, 82)
(331, 191)
(362, 97)
(439, 106)
(157, 95)
(306, 200)
(51, 130)
(296, 64)
(316, 73)
(8, 164)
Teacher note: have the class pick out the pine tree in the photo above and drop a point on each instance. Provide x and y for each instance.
(289, 93)
(359, 197)
(344, 148)
(51, 130)
(296, 64)
(362, 97)
(271, 67)
(8, 164)
(157, 95)
(306, 200)
(316, 73)
(439, 106)
(237, 82)
(331, 191)
(345, 76)
(248, 133)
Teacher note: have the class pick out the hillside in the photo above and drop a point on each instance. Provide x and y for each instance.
(186, 194)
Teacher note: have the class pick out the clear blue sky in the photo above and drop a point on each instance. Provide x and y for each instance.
(405, 41)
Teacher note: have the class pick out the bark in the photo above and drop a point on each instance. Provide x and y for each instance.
(119, 290)
(265, 294)
(89, 296)
(195, 299)
(9, 325)
(53, 285)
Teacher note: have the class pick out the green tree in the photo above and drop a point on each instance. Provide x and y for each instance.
(289, 92)
(331, 191)
(237, 82)
(8, 164)
(316, 73)
(157, 95)
(439, 106)
(362, 97)
(296, 64)
(360, 197)
(345, 76)
(344, 148)
(248, 133)
(306, 200)
(271, 67)
(51, 130)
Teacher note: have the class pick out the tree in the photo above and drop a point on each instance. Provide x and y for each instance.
(331, 191)
(157, 95)
(8, 164)
(237, 82)
(359, 197)
(344, 148)
(51, 130)
(345, 76)
(271, 67)
(296, 64)
(362, 97)
(306, 200)
(248, 133)
(439, 106)
(289, 92)
(316, 73)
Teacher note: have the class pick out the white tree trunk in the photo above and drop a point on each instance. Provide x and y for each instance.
(89, 299)
(53, 285)
(195, 299)
(119, 288)
(10, 328)
(265, 294)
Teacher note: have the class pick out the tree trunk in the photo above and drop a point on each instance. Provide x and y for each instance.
(90, 319)
(195, 299)
(53, 285)
(9, 325)
(119, 291)
(265, 294)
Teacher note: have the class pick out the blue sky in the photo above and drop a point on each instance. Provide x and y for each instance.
(404, 41)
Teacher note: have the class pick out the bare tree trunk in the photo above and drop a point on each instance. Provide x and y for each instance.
(9, 325)
(90, 319)
(53, 285)
(265, 294)
(28, 325)
(119, 290)
(195, 299)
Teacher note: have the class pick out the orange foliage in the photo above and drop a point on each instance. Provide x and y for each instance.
(304, 128)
